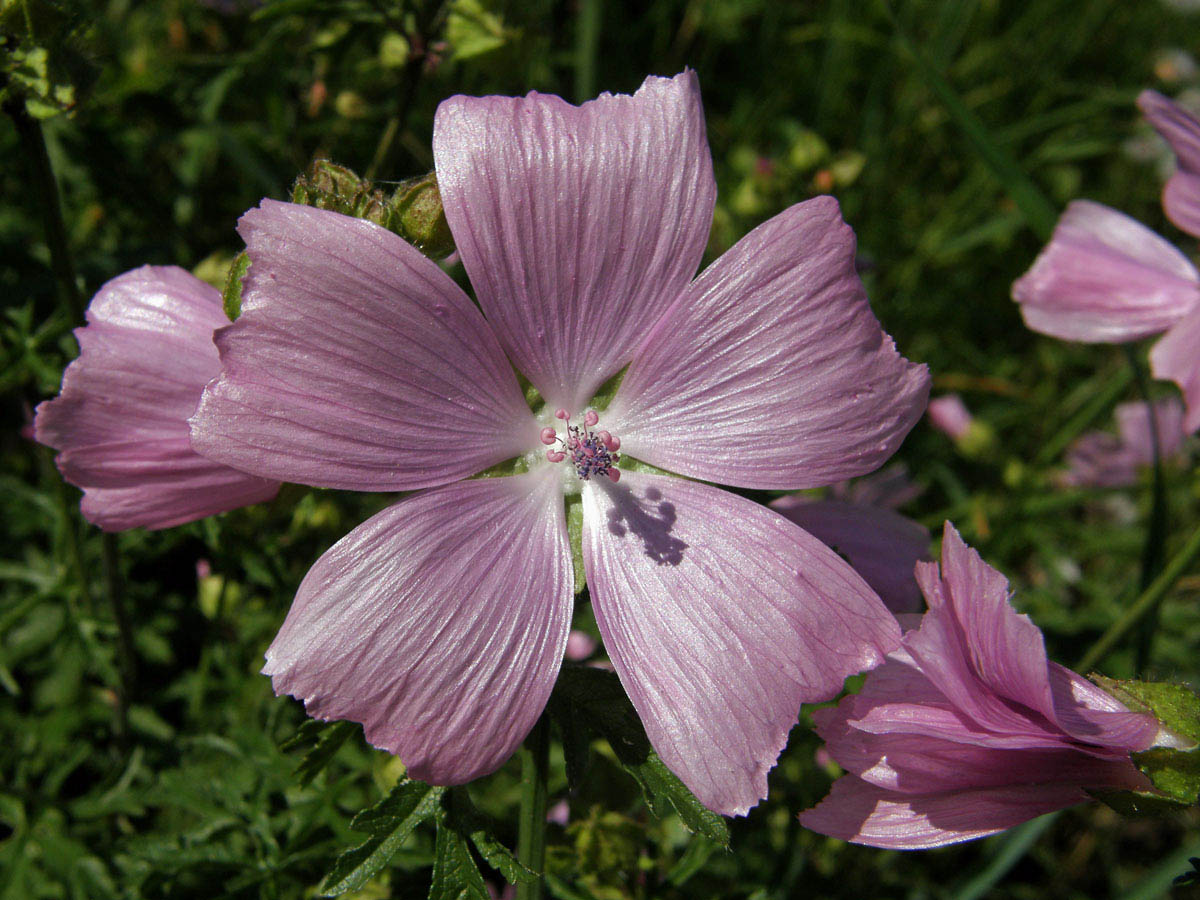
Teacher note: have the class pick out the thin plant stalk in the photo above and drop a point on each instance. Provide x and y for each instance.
(531, 828)
(1146, 603)
(33, 143)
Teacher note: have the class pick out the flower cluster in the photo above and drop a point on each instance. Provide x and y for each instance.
(1105, 277)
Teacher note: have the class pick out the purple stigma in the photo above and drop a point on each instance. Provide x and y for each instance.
(590, 452)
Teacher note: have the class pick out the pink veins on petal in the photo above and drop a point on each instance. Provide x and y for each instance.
(357, 363)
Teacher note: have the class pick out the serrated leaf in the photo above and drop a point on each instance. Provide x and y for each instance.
(1176, 707)
(455, 875)
(389, 824)
(463, 817)
(328, 743)
(606, 710)
(231, 297)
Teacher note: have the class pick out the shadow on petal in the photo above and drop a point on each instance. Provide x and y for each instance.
(651, 521)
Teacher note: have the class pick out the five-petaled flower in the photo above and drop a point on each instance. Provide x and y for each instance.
(440, 623)
(968, 728)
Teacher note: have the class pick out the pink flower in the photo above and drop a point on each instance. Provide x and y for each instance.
(580, 645)
(950, 416)
(968, 729)
(121, 420)
(1105, 277)
(882, 545)
(1181, 195)
(441, 623)
(1101, 459)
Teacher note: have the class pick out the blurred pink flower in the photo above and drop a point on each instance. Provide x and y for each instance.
(891, 487)
(121, 420)
(950, 415)
(580, 645)
(882, 545)
(1102, 459)
(1105, 277)
(441, 623)
(968, 729)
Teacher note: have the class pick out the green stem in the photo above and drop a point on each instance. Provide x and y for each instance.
(531, 833)
(1146, 603)
(1154, 548)
(33, 144)
(587, 46)
(114, 589)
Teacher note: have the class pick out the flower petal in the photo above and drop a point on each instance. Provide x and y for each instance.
(921, 764)
(863, 813)
(356, 363)
(1006, 649)
(1176, 357)
(721, 618)
(1181, 196)
(882, 545)
(771, 371)
(121, 419)
(1105, 277)
(440, 624)
(1092, 715)
(578, 226)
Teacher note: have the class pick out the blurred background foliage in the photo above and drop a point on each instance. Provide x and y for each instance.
(142, 753)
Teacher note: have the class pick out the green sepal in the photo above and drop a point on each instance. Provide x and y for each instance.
(586, 697)
(1174, 771)
(231, 296)
(575, 537)
(1138, 804)
(419, 217)
(518, 465)
(605, 393)
(413, 211)
(389, 823)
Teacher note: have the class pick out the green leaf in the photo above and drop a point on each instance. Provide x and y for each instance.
(389, 823)
(593, 698)
(231, 297)
(464, 818)
(328, 744)
(455, 875)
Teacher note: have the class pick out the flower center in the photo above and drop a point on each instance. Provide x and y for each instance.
(589, 452)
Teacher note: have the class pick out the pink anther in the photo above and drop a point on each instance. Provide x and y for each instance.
(555, 455)
(614, 475)
(611, 443)
(573, 442)
(549, 436)
(605, 437)
(561, 413)
(590, 418)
